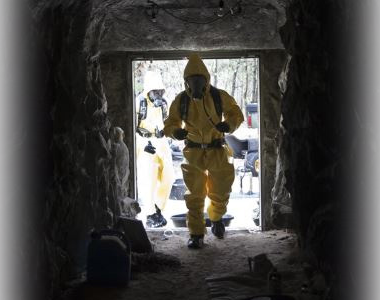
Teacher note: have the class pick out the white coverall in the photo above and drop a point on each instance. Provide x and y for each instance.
(155, 171)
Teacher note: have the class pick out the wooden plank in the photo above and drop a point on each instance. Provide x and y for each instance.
(135, 232)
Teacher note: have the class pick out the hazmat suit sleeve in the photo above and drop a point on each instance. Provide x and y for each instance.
(173, 120)
(137, 101)
(232, 112)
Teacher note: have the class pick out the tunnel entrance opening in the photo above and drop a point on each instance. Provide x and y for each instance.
(237, 75)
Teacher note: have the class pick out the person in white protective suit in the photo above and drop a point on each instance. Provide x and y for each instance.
(154, 160)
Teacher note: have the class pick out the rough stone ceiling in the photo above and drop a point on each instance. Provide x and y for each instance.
(128, 25)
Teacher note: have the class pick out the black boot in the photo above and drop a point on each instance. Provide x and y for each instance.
(217, 228)
(195, 241)
(156, 220)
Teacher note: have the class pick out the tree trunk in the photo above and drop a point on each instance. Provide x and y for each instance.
(215, 73)
(254, 82)
(246, 82)
(234, 79)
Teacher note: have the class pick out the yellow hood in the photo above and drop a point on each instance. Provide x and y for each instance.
(195, 66)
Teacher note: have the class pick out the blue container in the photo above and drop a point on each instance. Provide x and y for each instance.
(109, 258)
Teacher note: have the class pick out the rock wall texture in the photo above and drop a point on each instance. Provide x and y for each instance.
(281, 210)
(120, 105)
(256, 27)
(271, 63)
(315, 127)
(85, 173)
(88, 179)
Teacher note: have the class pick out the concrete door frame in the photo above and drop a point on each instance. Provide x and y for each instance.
(178, 55)
(119, 95)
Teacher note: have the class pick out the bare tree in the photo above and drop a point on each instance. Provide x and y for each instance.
(236, 69)
(254, 82)
(215, 73)
(239, 77)
(246, 81)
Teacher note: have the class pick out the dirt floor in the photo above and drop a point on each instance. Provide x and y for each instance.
(187, 281)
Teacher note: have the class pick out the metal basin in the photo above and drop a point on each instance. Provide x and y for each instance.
(180, 220)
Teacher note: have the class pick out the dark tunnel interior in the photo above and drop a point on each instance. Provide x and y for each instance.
(83, 52)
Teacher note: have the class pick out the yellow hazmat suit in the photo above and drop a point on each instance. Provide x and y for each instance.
(206, 172)
(155, 171)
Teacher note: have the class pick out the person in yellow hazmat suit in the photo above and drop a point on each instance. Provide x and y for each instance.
(154, 162)
(201, 115)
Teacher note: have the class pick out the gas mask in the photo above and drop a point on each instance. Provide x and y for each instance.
(156, 97)
(196, 85)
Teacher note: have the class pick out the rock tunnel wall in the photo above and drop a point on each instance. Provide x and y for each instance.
(84, 177)
(256, 27)
(115, 81)
(81, 181)
(271, 65)
(314, 130)
(83, 189)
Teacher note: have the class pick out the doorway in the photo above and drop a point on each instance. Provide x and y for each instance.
(240, 78)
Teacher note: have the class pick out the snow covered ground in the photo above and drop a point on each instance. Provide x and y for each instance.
(240, 206)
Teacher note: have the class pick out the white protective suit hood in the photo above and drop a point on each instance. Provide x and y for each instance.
(152, 81)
